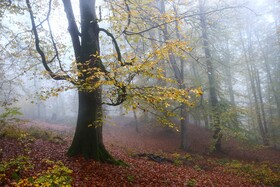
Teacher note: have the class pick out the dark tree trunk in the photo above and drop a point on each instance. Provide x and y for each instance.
(88, 136)
(183, 123)
(217, 136)
(88, 140)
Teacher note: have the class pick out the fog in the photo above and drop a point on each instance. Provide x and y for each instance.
(242, 39)
(140, 93)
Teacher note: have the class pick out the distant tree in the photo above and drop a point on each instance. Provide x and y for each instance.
(217, 136)
(8, 81)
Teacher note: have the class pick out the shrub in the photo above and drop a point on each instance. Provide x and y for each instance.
(257, 173)
(8, 117)
(56, 175)
(130, 178)
(14, 168)
(191, 183)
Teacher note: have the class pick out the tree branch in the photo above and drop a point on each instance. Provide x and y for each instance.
(116, 47)
(39, 50)
(120, 88)
(55, 48)
(128, 16)
(178, 18)
(72, 28)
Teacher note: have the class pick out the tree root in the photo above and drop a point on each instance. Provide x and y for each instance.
(155, 158)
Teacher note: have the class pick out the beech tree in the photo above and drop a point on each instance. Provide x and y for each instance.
(217, 136)
(89, 74)
(194, 43)
(88, 135)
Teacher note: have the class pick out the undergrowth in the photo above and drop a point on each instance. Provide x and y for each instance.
(57, 174)
(258, 173)
(14, 170)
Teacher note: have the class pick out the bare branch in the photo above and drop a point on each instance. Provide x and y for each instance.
(182, 17)
(116, 47)
(55, 48)
(122, 95)
(128, 16)
(14, 39)
(114, 42)
(120, 88)
(39, 50)
(52, 39)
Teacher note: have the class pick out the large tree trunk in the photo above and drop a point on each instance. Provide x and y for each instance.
(88, 139)
(88, 135)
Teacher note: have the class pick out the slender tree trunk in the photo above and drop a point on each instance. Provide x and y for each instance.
(268, 71)
(184, 121)
(136, 121)
(183, 125)
(205, 113)
(201, 115)
(252, 78)
(264, 122)
(257, 107)
(234, 121)
(179, 76)
(217, 136)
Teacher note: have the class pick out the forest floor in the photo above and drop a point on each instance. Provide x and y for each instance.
(153, 158)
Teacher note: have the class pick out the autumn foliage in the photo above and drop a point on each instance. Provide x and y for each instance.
(41, 161)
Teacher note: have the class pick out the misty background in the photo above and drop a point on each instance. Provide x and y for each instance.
(244, 42)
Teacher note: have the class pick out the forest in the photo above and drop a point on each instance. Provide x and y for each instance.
(140, 93)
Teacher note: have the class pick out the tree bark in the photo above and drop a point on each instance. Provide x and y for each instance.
(179, 76)
(252, 78)
(264, 122)
(257, 108)
(183, 124)
(270, 79)
(228, 69)
(217, 136)
(88, 139)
